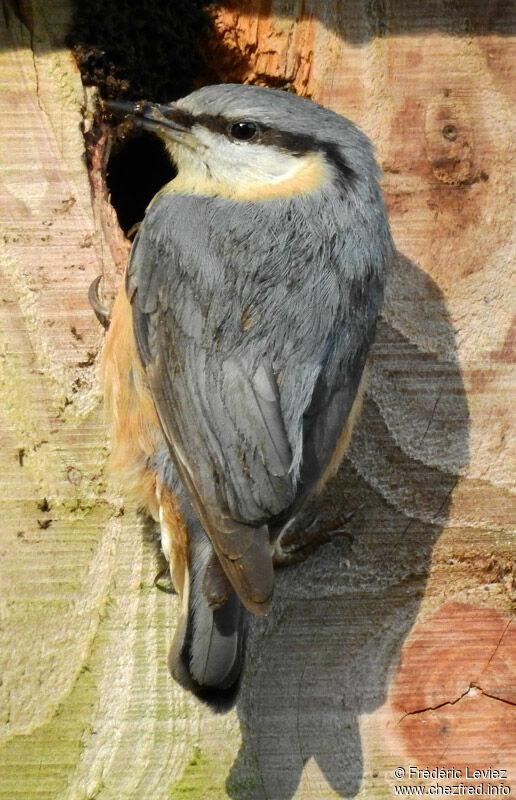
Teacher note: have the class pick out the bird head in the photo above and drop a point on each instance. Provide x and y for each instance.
(251, 143)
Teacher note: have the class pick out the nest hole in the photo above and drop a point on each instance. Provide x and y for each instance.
(137, 169)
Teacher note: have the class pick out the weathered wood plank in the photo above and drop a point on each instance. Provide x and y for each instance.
(392, 647)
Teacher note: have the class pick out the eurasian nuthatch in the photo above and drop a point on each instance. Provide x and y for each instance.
(233, 362)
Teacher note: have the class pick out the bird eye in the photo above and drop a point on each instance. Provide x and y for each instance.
(244, 131)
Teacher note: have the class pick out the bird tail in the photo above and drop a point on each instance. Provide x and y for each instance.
(206, 655)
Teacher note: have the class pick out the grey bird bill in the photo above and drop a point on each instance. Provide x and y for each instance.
(153, 117)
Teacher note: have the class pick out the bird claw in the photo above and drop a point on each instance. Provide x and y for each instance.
(163, 582)
(297, 540)
(102, 312)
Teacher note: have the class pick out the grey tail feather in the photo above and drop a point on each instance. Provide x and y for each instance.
(206, 655)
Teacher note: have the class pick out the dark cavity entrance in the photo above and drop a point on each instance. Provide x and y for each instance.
(138, 167)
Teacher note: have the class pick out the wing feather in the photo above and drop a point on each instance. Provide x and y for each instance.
(221, 415)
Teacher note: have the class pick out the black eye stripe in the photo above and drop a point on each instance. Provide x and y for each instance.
(298, 144)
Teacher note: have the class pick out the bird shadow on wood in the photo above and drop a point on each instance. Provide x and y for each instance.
(325, 654)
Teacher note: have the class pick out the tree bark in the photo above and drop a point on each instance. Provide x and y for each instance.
(392, 647)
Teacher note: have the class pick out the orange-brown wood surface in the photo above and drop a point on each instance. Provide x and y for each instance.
(391, 648)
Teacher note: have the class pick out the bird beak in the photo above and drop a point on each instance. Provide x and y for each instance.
(166, 120)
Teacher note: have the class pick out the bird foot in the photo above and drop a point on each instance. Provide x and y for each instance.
(301, 537)
(163, 581)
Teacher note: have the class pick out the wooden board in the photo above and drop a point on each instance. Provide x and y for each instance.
(395, 646)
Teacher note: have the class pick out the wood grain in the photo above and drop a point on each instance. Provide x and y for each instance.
(393, 646)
